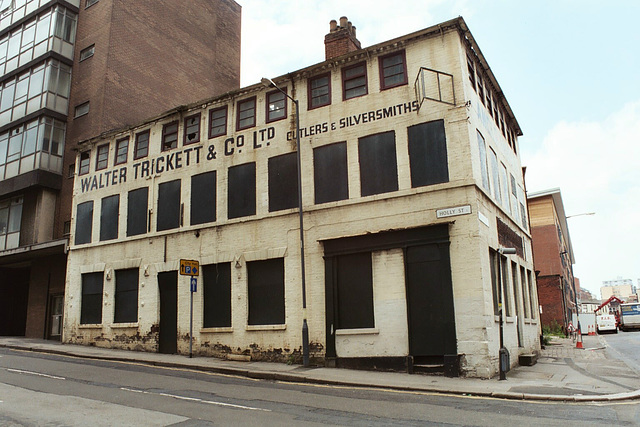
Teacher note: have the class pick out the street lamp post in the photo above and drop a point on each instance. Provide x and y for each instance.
(503, 353)
(305, 328)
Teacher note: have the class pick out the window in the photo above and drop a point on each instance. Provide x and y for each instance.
(102, 157)
(84, 222)
(484, 169)
(532, 295)
(354, 81)
(393, 70)
(266, 292)
(472, 72)
(90, 3)
(489, 101)
(170, 136)
(81, 110)
(203, 198)
(87, 53)
(428, 154)
(126, 296)
(355, 291)
(283, 182)
(319, 91)
(142, 145)
(217, 295)
(330, 174)
(85, 160)
(65, 25)
(480, 89)
(525, 293)
(276, 106)
(506, 286)
(137, 211)
(91, 303)
(122, 150)
(241, 191)
(191, 129)
(169, 205)
(218, 122)
(109, 217)
(72, 170)
(246, 113)
(495, 175)
(493, 261)
(66, 228)
(378, 164)
(10, 221)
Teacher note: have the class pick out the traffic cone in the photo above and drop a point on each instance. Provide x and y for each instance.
(593, 331)
(579, 341)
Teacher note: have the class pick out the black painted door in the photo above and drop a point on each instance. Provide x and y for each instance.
(432, 330)
(168, 336)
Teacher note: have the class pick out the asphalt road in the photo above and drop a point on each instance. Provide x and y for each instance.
(627, 347)
(39, 389)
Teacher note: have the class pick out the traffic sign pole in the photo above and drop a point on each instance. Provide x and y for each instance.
(194, 283)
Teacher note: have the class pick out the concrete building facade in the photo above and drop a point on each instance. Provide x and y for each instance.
(70, 69)
(411, 181)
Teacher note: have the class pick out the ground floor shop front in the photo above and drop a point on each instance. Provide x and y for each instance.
(380, 294)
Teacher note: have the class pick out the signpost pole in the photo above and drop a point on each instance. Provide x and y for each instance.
(191, 323)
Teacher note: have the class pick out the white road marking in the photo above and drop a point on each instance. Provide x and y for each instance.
(195, 399)
(19, 371)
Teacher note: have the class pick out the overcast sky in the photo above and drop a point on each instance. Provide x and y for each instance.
(569, 69)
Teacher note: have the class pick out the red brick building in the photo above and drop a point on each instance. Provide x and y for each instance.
(71, 70)
(552, 257)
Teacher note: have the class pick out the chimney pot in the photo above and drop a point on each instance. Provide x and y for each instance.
(333, 25)
(343, 22)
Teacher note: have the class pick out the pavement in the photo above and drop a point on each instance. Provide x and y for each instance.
(595, 373)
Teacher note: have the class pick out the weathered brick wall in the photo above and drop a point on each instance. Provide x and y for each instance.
(550, 297)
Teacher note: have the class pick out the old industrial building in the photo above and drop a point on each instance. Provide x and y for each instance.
(554, 259)
(71, 69)
(411, 182)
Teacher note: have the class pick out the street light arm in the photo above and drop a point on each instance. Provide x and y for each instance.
(270, 84)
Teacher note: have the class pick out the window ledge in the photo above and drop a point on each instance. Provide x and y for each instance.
(509, 319)
(91, 326)
(265, 327)
(358, 331)
(124, 325)
(219, 330)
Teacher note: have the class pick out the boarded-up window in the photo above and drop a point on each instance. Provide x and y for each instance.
(378, 164)
(242, 190)
(109, 217)
(91, 304)
(484, 169)
(84, 222)
(355, 291)
(266, 292)
(126, 298)
(203, 198)
(283, 182)
(330, 174)
(137, 211)
(428, 154)
(217, 295)
(169, 205)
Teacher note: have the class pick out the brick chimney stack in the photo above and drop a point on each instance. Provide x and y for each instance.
(341, 39)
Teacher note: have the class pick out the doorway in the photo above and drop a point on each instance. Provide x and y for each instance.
(168, 334)
(431, 317)
(56, 308)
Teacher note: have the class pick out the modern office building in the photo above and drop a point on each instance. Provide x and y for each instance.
(70, 69)
(411, 182)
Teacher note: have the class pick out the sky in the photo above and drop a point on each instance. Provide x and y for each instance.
(569, 69)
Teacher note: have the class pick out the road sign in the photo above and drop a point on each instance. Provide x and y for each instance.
(189, 267)
(194, 284)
